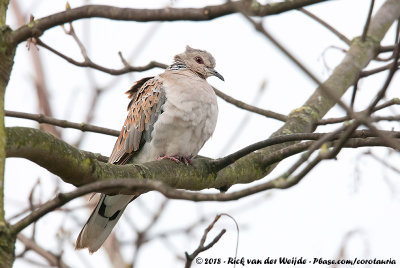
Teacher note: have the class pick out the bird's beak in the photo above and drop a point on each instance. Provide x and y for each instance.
(215, 73)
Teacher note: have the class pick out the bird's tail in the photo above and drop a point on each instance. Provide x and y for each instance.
(102, 220)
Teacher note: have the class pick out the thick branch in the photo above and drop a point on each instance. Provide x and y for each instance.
(129, 186)
(37, 27)
(79, 167)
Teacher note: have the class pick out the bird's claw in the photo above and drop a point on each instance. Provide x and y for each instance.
(176, 159)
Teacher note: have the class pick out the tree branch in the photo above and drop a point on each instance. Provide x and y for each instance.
(79, 167)
(42, 119)
(39, 26)
(365, 30)
(248, 107)
(322, 87)
(326, 25)
(129, 186)
(51, 258)
(395, 101)
(87, 62)
(202, 247)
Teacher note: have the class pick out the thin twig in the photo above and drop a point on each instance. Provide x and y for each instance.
(39, 79)
(326, 25)
(40, 118)
(248, 107)
(51, 258)
(389, 78)
(376, 70)
(395, 101)
(354, 93)
(314, 146)
(386, 139)
(293, 180)
(242, 123)
(142, 235)
(384, 162)
(366, 26)
(89, 63)
(202, 247)
(259, 27)
(344, 137)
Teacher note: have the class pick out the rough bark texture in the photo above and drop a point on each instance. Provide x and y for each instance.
(7, 239)
(7, 246)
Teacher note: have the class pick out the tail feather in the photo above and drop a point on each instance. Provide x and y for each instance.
(102, 220)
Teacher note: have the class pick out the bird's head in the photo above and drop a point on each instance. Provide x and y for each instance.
(199, 61)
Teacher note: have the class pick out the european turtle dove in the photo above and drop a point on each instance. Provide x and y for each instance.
(170, 116)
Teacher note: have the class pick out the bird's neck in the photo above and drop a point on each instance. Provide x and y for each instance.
(177, 65)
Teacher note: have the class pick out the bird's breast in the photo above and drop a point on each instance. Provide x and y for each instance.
(188, 119)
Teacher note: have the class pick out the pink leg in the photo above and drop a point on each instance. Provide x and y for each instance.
(187, 161)
(177, 159)
(173, 158)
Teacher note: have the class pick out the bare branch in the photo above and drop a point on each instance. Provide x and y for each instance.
(365, 30)
(249, 107)
(40, 83)
(376, 70)
(259, 27)
(385, 118)
(202, 247)
(242, 123)
(345, 243)
(389, 78)
(51, 258)
(37, 27)
(384, 162)
(142, 235)
(395, 101)
(386, 139)
(42, 119)
(89, 63)
(326, 25)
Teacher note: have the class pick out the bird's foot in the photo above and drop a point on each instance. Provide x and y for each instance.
(187, 161)
(170, 157)
(176, 159)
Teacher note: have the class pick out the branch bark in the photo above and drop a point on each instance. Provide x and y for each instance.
(7, 51)
(80, 167)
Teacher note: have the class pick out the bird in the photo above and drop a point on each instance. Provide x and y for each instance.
(170, 116)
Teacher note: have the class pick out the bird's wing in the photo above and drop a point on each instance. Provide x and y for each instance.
(147, 97)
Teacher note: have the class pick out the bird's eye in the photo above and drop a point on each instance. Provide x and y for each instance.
(199, 60)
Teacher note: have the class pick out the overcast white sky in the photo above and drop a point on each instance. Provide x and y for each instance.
(354, 193)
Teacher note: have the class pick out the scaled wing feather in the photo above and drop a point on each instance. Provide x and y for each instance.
(143, 111)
